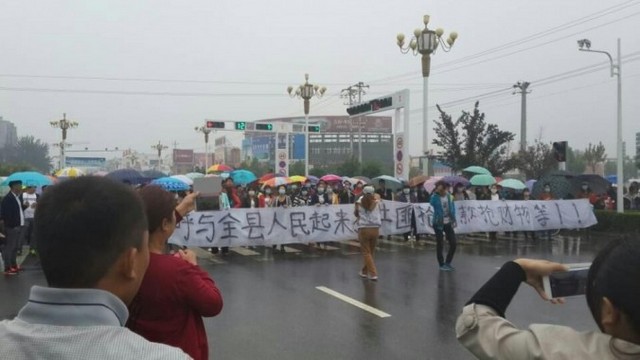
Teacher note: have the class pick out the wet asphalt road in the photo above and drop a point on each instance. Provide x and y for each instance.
(273, 309)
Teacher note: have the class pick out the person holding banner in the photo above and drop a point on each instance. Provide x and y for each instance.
(284, 201)
(368, 222)
(266, 198)
(320, 197)
(444, 221)
(175, 292)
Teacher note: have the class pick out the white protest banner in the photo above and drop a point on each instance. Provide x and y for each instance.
(485, 216)
(273, 226)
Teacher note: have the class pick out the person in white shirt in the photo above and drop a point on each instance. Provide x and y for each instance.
(93, 246)
(29, 203)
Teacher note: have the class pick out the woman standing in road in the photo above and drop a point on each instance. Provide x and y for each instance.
(282, 200)
(368, 221)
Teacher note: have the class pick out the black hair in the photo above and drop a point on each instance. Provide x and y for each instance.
(159, 205)
(615, 274)
(441, 182)
(83, 225)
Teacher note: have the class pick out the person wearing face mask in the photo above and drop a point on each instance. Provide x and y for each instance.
(460, 193)
(334, 198)
(526, 196)
(320, 197)
(301, 198)
(284, 201)
(357, 192)
(495, 196)
(407, 197)
(586, 193)
(346, 196)
(444, 223)
(546, 193)
(265, 199)
(251, 200)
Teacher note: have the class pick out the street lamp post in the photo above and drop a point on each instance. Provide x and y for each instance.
(426, 42)
(616, 70)
(159, 147)
(206, 131)
(306, 91)
(64, 125)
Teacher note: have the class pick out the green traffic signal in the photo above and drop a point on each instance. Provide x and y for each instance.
(267, 127)
(241, 125)
(314, 128)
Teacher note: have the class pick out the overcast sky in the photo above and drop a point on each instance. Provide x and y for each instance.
(233, 60)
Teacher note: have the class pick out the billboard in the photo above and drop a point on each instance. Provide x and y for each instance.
(183, 156)
(261, 147)
(85, 161)
(297, 152)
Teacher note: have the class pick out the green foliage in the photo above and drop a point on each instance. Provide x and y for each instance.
(8, 169)
(593, 155)
(256, 167)
(28, 154)
(537, 160)
(575, 161)
(296, 168)
(612, 222)
(350, 167)
(372, 169)
(471, 141)
(629, 169)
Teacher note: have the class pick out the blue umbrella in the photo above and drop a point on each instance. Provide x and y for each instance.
(482, 180)
(479, 170)
(129, 176)
(170, 184)
(28, 178)
(243, 177)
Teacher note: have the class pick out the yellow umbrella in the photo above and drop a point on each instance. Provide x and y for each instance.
(219, 168)
(297, 178)
(71, 172)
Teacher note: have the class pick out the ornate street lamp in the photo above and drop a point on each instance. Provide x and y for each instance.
(306, 91)
(425, 42)
(206, 131)
(64, 125)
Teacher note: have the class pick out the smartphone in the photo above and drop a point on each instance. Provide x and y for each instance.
(567, 283)
(209, 189)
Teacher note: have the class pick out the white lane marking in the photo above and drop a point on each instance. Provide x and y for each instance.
(354, 243)
(353, 302)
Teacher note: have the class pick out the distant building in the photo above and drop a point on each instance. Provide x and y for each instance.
(226, 153)
(183, 161)
(8, 133)
(336, 141)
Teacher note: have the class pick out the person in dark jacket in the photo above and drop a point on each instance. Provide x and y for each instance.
(346, 195)
(444, 223)
(320, 197)
(12, 215)
(385, 194)
(406, 196)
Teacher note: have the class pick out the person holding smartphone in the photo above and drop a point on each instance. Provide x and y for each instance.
(613, 296)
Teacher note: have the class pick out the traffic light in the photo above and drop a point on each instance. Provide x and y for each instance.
(215, 124)
(314, 128)
(371, 106)
(560, 151)
(267, 127)
(241, 125)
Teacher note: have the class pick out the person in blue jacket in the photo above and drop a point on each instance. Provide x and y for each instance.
(443, 222)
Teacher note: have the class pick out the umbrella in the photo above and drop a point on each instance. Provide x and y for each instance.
(455, 179)
(430, 184)
(153, 174)
(243, 177)
(277, 181)
(28, 178)
(171, 184)
(70, 172)
(219, 168)
(297, 178)
(417, 180)
(129, 176)
(512, 184)
(390, 182)
(482, 180)
(560, 186)
(331, 178)
(530, 183)
(612, 179)
(477, 170)
(364, 179)
(269, 176)
(597, 184)
(99, 173)
(313, 179)
(185, 179)
(194, 175)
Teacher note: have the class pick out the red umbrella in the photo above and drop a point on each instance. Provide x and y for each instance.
(331, 178)
(269, 176)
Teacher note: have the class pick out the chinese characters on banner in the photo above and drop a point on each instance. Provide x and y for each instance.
(272, 226)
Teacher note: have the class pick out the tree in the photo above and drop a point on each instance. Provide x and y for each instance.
(371, 169)
(593, 155)
(296, 168)
(536, 160)
(255, 166)
(30, 153)
(629, 169)
(471, 141)
(575, 161)
(350, 167)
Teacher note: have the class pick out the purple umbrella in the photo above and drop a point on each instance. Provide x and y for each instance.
(454, 179)
(530, 184)
(313, 179)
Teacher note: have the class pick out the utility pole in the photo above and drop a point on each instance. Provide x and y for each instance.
(521, 88)
(350, 94)
(159, 147)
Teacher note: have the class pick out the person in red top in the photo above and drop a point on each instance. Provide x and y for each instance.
(175, 293)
